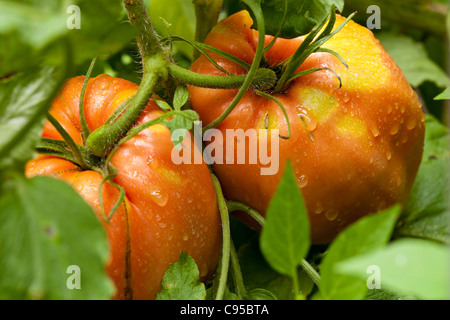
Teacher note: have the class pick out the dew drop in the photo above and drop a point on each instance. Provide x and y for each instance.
(394, 129)
(318, 209)
(389, 109)
(309, 122)
(162, 225)
(159, 197)
(346, 97)
(185, 236)
(388, 155)
(190, 199)
(374, 130)
(203, 270)
(302, 181)
(404, 138)
(411, 124)
(331, 215)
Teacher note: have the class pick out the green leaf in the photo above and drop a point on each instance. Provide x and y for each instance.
(24, 99)
(33, 25)
(285, 238)
(258, 274)
(444, 95)
(181, 281)
(184, 121)
(407, 53)
(46, 228)
(426, 212)
(368, 233)
(31, 31)
(301, 15)
(411, 266)
(180, 97)
(261, 294)
(163, 105)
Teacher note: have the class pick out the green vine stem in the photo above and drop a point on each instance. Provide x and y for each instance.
(263, 79)
(154, 61)
(239, 286)
(226, 241)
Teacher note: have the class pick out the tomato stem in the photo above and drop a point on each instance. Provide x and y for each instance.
(226, 240)
(154, 61)
(239, 286)
(263, 79)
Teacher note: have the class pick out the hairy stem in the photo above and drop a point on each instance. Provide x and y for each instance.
(154, 61)
(263, 79)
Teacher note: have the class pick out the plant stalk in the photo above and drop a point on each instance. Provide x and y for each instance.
(154, 61)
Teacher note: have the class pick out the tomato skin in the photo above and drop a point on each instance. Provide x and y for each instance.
(355, 150)
(167, 209)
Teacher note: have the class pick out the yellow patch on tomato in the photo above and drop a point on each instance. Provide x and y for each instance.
(318, 102)
(351, 125)
(363, 54)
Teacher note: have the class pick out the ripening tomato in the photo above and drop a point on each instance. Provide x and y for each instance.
(355, 149)
(167, 208)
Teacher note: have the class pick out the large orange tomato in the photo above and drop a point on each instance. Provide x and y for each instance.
(167, 208)
(355, 149)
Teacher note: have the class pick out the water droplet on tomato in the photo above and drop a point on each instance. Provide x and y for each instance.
(411, 124)
(190, 199)
(394, 129)
(203, 270)
(185, 236)
(159, 197)
(404, 138)
(331, 215)
(346, 97)
(318, 209)
(302, 181)
(309, 122)
(388, 155)
(374, 130)
(389, 109)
